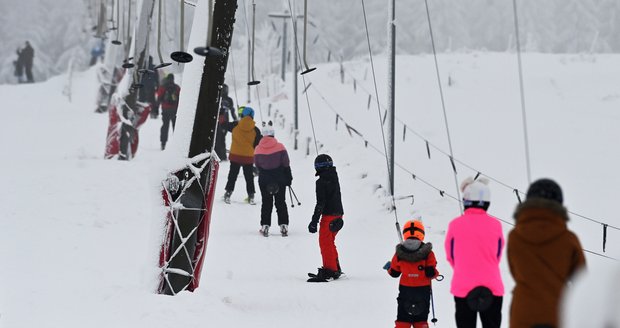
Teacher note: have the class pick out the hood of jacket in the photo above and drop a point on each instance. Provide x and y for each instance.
(413, 255)
(539, 221)
(268, 145)
(246, 124)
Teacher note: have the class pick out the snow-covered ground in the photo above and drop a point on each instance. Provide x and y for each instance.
(79, 235)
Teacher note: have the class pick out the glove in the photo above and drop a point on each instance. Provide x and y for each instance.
(316, 217)
(312, 227)
(387, 265)
(429, 271)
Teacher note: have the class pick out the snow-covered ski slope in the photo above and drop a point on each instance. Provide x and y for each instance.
(79, 235)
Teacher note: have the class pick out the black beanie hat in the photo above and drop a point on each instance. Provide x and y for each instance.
(547, 189)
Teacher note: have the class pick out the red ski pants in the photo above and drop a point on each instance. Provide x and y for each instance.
(419, 324)
(327, 243)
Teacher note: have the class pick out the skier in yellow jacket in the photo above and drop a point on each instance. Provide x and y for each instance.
(245, 137)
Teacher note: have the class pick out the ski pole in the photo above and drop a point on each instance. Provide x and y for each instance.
(433, 320)
(294, 194)
(291, 195)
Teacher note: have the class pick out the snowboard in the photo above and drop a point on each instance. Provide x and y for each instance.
(315, 278)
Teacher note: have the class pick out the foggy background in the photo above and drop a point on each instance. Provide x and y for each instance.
(60, 30)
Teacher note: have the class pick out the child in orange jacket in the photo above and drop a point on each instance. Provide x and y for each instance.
(415, 263)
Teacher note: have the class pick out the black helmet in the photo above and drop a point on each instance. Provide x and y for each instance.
(547, 189)
(225, 90)
(323, 161)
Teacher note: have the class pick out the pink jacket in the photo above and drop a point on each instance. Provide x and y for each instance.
(474, 245)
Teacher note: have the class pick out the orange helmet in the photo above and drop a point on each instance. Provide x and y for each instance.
(414, 229)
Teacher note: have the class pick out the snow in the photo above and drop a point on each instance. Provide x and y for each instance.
(79, 238)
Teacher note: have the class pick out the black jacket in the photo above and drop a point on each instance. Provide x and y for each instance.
(150, 83)
(226, 107)
(328, 198)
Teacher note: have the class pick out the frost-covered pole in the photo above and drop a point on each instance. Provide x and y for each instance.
(207, 108)
(391, 87)
(131, 110)
(284, 50)
(295, 96)
(247, 29)
(128, 38)
(182, 262)
(286, 15)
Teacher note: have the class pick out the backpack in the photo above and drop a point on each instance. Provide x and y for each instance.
(170, 94)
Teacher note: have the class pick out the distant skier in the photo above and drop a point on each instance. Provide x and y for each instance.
(329, 211)
(245, 137)
(274, 175)
(168, 98)
(19, 67)
(474, 244)
(97, 52)
(543, 256)
(415, 263)
(150, 85)
(226, 107)
(27, 58)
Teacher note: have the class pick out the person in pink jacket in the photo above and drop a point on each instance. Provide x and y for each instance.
(474, 244)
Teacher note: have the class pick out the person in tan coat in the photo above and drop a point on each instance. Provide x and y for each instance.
(543, 256)
(245, 137)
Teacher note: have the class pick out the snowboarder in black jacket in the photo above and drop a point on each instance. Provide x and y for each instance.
(329, 211)
(226, 107)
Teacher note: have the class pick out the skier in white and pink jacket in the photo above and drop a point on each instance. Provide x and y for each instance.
(474, 244)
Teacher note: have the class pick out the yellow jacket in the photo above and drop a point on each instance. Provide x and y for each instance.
(245, 136)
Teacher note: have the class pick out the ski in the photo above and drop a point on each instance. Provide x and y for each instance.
(313, 277)
(317, 279)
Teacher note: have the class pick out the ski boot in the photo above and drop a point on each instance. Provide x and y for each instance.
(250, 199)
(264, 231)
(284, 230)
(227, 196)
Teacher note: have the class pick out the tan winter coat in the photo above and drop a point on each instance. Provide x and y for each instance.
(543, 255)
(245, 137)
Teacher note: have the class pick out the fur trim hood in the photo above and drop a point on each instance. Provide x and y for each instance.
(403, 252)
(540, 220)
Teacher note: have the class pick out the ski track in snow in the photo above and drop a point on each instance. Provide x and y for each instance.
(79, 237)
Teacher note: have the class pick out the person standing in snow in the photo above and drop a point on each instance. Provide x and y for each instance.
(274, 175)
(27, 58)
(415, 263)
(168, 98)
(245, 137)
(19, 66)
(150, 85)
(226, 108)
(543, 256)
(97, 51)
(474, 243)
(329, 211)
